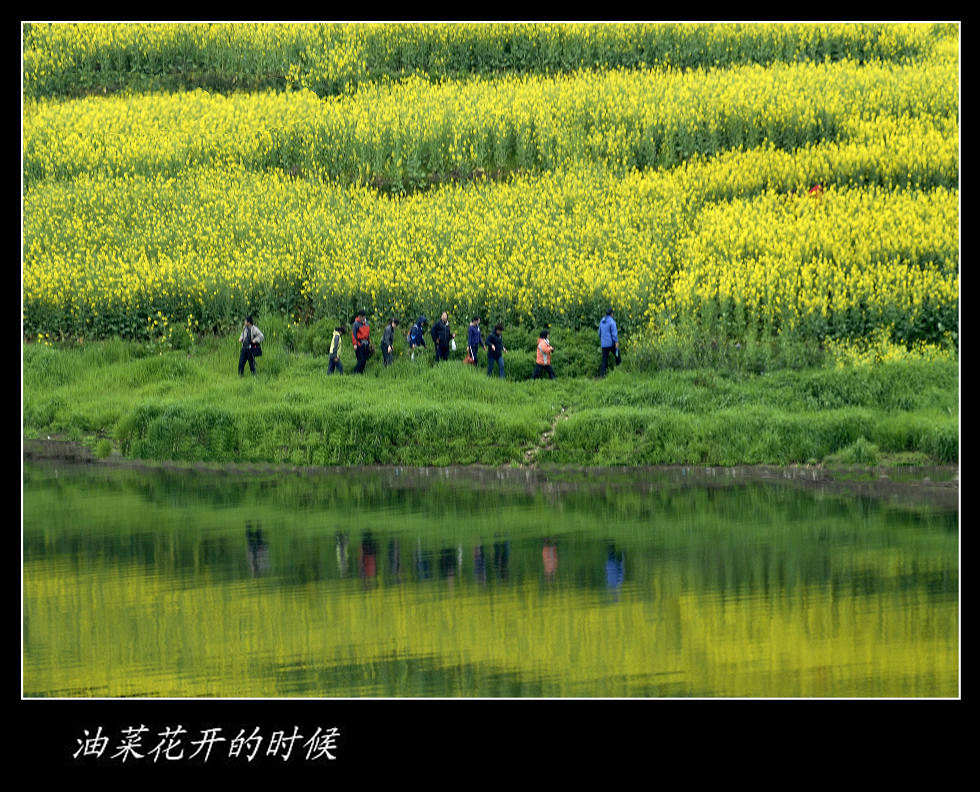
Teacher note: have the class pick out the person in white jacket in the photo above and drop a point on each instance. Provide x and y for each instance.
(250, 337)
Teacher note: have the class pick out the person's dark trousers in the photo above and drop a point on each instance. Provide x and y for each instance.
(500, 365)
(538, 368)
(386, 357)
(442, 352)
(606, 352)
(361, 354)
(246, 355)
(476, 356)
(335, 366)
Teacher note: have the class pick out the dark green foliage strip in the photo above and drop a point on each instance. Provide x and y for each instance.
(71, 59)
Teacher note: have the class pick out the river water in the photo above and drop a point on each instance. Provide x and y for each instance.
(408, 583)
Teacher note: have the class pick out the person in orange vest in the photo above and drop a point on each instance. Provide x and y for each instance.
(543, 358)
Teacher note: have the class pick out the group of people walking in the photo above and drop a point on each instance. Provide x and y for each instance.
(443, 341)
(441, 334)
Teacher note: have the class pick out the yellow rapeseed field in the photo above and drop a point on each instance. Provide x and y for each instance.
(802, 195)
(402, 135)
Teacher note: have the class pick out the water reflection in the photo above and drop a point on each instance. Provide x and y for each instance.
(450, 563)
(394, 562)
(753, 590)
(615, 571)
(549, 558)
(342, 542)
(479, 565)
(367, 559)
(258, 550)
(501, 559)
(423, 562)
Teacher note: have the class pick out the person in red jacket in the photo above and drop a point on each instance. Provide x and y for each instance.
(361, 338)
(543, 358)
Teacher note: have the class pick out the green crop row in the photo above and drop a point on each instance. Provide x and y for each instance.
(73, 59)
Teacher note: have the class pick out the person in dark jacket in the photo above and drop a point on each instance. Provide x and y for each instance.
(495, 351)
(361, 338)
(388, 341)
(250, 336)
(608, 340)
(474, 340)
(434, 332)
(443, 337)
(416, 336)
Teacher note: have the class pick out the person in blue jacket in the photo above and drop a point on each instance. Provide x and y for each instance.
(608, 340)
(474, 340)
(416, 338)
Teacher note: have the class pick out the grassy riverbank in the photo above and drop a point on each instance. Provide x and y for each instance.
(190, 404)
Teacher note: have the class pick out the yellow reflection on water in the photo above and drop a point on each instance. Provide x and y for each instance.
(117, 629)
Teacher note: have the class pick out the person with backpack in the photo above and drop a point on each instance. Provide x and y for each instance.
(388, 341)
(361, 337)
(334, 353)
(416, 336)
(495, 350)
(250, 339)
(608, 340)
(443, 337)
(543, 358)
(474, 340)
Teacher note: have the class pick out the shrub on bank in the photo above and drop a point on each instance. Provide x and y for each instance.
(748, 435)
(860, 452)
(410, 434)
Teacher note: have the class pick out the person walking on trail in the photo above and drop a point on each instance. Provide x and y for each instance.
(334, 353)
(434, 332)
(543, 358)
(361, 337)
(474, 340)
(443, 337)
(608, 340)
(495, 351)
(250, 339)
(416, 336)
(388, 341)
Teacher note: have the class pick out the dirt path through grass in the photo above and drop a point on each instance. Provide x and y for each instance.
(544, 442)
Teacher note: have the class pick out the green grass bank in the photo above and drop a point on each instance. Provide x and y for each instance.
(775, 404)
